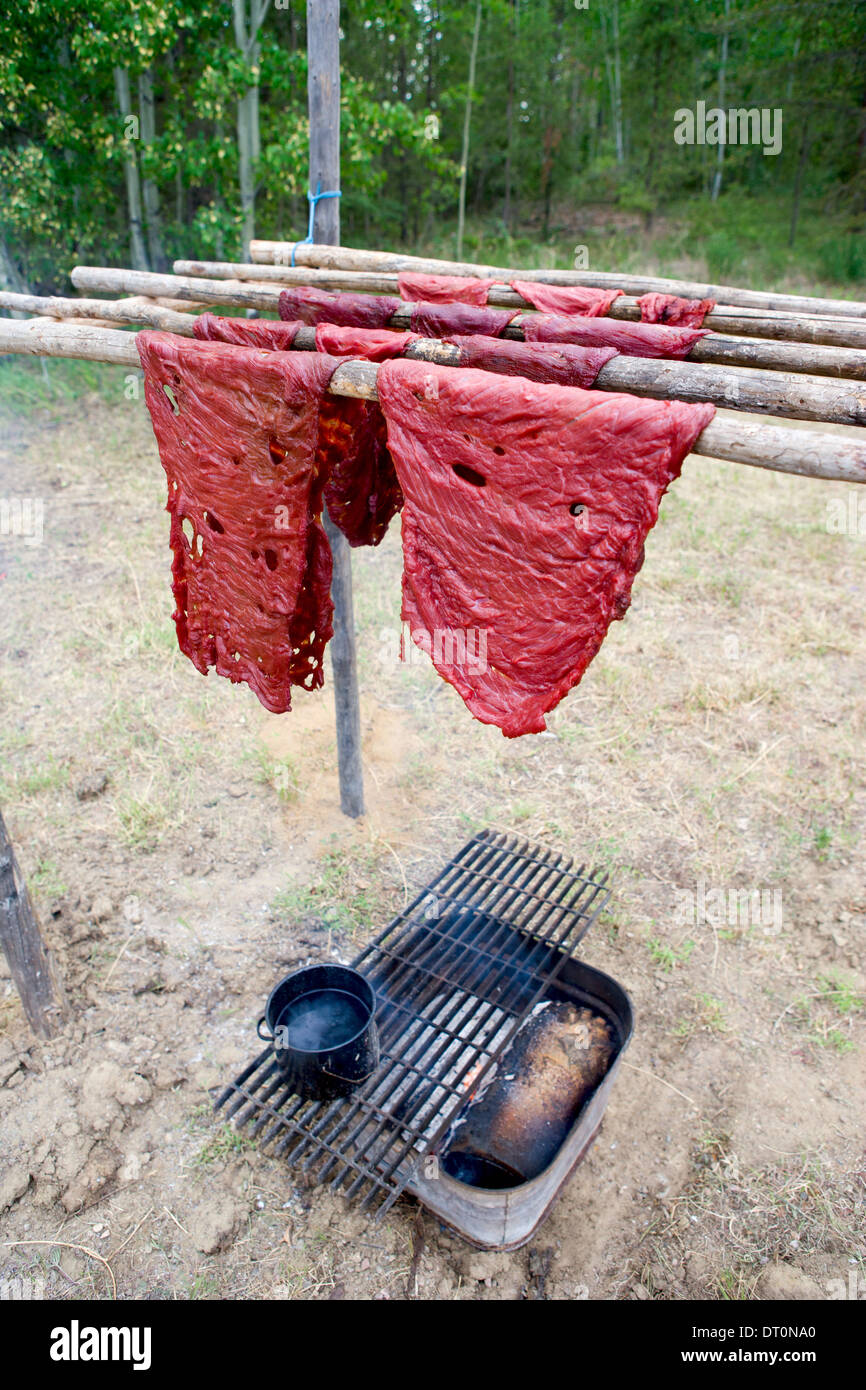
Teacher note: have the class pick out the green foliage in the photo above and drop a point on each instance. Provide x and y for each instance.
(552, 144)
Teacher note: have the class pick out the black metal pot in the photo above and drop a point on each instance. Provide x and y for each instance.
(321, 1021)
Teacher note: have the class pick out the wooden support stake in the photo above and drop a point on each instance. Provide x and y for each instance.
(25, 951)
(323, 92)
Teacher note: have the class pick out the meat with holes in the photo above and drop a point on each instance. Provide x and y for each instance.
(237, 430)
(526, 511)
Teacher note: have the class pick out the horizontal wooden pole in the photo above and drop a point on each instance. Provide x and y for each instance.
(724, 319)
(798, 397)
(840, 457)
(738, 352)
(387, 262)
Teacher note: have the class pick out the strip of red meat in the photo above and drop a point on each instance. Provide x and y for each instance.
(441, 320)
(443, 289)
(361, 493)
(670, 308)
(237, 430)
(561, 363)
(374, 344)
(527, 507)
(263, 333)
(360, 486)
(565, 299)
(313, 306)
(631, 339)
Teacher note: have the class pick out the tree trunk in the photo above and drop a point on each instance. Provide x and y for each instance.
(130, 168)
(723, 64)
(617, 86)
(798, 181)
(147, 110)
(509, 117)
(467, 116)
(246, 34)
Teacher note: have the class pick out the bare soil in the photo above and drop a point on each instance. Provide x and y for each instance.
(184, 848)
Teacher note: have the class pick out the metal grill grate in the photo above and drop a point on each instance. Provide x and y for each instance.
(456, 972)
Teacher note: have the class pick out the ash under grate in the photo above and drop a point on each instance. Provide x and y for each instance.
(456, 972)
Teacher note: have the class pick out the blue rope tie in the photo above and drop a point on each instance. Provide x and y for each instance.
(313, 199)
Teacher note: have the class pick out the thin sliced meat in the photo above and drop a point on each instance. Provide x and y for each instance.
(443, 289)
(441, 320)
(237, 430)
(362, 493)
(262, 333)
(374, 344)
(313, 306)
(631, 339)
(670, 308)
(561, 363)
(565, 299)
(527, 507)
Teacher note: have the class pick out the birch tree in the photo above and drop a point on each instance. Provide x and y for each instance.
(467, 117)
(249, 15)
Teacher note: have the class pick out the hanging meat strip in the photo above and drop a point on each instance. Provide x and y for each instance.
(555, 362)
(237, 431)
(263, 333)
(527, 507)
(374, 344)
(440, 320)
(565, 299)
(631, 339)
(443, 289)
(351, 310)
(670, 308)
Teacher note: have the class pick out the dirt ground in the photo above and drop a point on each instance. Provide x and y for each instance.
(185, 848)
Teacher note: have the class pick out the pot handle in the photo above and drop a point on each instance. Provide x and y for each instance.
(265, 1037)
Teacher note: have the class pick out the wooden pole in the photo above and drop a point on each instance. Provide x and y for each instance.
(811, 453)
(29, 961)
(323, 93)
(348, 258)
(840, 402)
(715, 347)
(832, 330)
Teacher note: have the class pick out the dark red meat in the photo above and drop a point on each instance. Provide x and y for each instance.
(565, 299)
(444, 289)
(374, 344)
(555, 362)
(493, 471)
(351, 310)
(361, 493)
(252, 565)
(263, 333)
(631, 339)
(441, 320)
(669, 308)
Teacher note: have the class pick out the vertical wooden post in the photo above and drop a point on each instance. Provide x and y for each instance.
(323, 91)
(24, 948)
